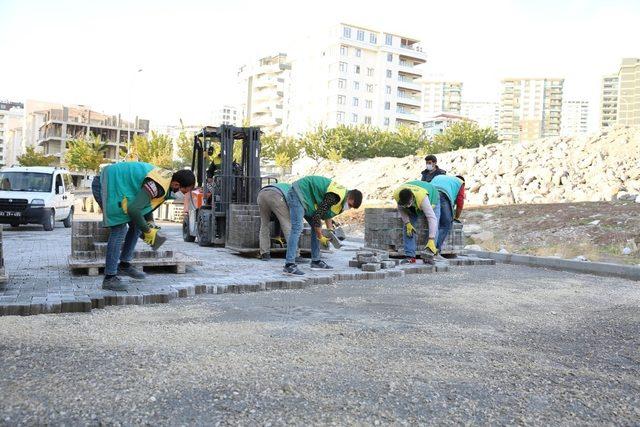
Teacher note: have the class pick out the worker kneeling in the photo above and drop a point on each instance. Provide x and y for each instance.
(128, 193)
(315, 198)
(415, 198)
(272, 202)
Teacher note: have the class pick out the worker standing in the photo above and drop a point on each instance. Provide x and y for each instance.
(127, 192)
(415, 198)
(315, 198)
(451, 189)
(432, 169)
(272, 201)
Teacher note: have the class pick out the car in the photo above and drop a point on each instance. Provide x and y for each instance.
(36, 195)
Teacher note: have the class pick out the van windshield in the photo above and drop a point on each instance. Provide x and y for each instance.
(25, 181)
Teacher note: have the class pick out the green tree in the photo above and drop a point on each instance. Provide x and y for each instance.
(31, 157)
(283, 149)
(86, 154)
(185, 149)
(463, 134)
(156, 149)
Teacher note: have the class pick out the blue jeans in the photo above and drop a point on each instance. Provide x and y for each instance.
(410, 242)
(296, 212)
(122, 238)
(445, 220)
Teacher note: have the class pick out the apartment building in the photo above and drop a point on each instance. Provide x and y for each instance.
(57, 124)
(264, 89)
(575, 118)
(609, 101)
(227, 115)
(10, 118)
(486, 114)
(441, 97)
(629, 92)
(530, 108)
(439, 123)
(353, 75)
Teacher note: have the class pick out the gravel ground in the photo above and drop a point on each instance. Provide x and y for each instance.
(500, 345)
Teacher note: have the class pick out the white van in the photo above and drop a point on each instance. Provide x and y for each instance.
(36, 195)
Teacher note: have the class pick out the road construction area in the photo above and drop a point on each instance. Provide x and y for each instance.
(476, 345)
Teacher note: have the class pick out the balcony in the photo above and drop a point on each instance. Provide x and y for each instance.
(408, 83)
(408, 99)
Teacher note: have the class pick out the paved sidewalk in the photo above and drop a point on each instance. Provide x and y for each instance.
(41, 282)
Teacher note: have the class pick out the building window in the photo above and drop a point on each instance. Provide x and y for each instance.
(388, 39)
(356, 68)
(343, 67)
(370, 88)
(389, 57)
(387, 105)
(342, 99)
(361, 35)
(342, 83)
(346, 32)
(367, 120)
(356, 85)
(344, 51)
(358, 53)
(388, 90)
(389, 74)
(354, 118)
(373, 38)
(368, 103)
(356, 101)
(340, 116)
(370, 72)
(386, 121)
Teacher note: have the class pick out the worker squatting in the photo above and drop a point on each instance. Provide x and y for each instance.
(129, 192)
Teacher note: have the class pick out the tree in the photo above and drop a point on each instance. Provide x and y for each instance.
(86, 155)
(185, 149)
(31, 157)
(283, 149)
(156, 149)
(463, 134)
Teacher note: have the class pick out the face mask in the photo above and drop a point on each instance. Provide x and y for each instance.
(429, 167)
(345, 207)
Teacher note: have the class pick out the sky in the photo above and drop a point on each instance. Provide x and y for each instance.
(88, 52)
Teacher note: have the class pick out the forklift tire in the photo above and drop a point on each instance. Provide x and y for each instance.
(186, 234)
(203, 229)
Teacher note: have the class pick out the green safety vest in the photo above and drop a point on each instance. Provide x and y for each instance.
(121, 183)
(282, 186)
(420, 190)
(312, 189)
(449, 186)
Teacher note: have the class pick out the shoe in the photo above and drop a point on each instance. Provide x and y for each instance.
(301, 260)
(132, 272)
(292, 270)
(113, 283)
(440, 258)
(320, 265)
(265, 257)
(409, 260)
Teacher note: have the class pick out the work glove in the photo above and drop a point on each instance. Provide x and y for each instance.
(153, 239)
(430, 247)
(279, 241)
(410, 229)
(324, 241)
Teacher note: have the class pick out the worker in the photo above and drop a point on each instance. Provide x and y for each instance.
(127, 192)
(432, 169)
(315, 198)
(414, 198)
(272, 202)
(451, 189)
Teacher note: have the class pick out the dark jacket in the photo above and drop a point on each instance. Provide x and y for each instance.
(429, 175)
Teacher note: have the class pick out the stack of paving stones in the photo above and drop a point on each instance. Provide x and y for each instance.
(3, 276)
(244, 226)
(372, 261)
(383, 229)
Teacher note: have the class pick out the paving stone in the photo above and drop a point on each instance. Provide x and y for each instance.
(371, 267)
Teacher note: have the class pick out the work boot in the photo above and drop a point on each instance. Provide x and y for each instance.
(301, 260)
(320, 265)
(292, 270)
(131, 271)
(113, 283)
(265, 256)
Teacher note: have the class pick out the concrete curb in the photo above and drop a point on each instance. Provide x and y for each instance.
(596, 268)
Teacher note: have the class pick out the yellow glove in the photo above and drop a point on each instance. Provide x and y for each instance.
(431, 247)
(410, 229)
(150, 236)
(279, 241)
(324, 241)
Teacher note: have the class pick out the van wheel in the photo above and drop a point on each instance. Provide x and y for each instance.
(49, 220)
(68, 220)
